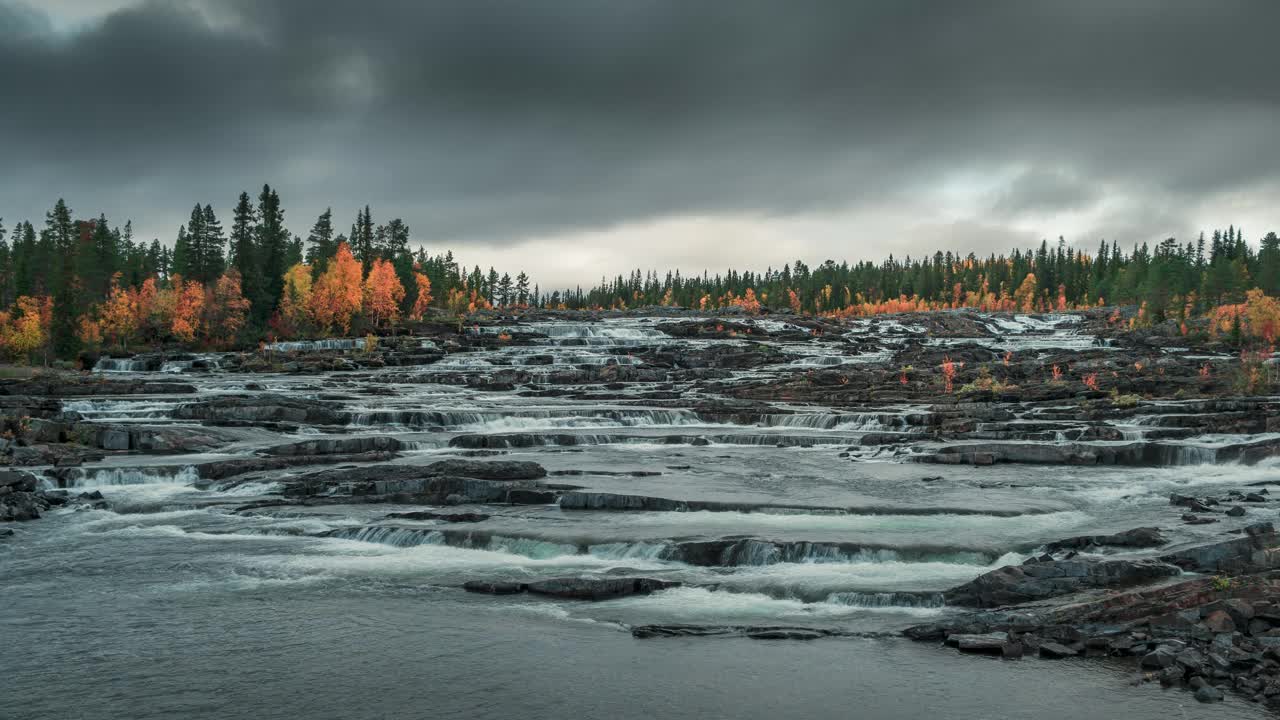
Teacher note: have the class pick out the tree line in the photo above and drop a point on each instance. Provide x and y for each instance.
(1169, 279)
(75, 284)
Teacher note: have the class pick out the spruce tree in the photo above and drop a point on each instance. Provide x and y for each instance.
(183, 252)
(244, 251)
(362, 239)
(61, 238)
(320, 243)
(1269, 265)
(212, 262)
(273, 247)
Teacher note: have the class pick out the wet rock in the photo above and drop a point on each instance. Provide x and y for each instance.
(443, 517)
(76, 386)
(603, 588)
(1253, 550)
(113, 439)
(1198, 519)
(1143, 537)
(494, 588)
(656, 631)
(1015, 584)
(1235, 511)
(17, 481)
(1209, 694)
(488, 469)
(21, 506)
(1219, 622)
(990, 643)
(1162, 657)
(1055, 650)
(778, 633)
(524, 496)
(39, 430)
(260, 408)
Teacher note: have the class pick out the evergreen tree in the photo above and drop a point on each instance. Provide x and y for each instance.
(184, 254)
(212, 262)
(1269, 265)
(61, 238)
(522, 288)
(362, 239)
(273, 251)
(320, 243)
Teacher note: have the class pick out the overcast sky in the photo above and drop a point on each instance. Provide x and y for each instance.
(575, 138)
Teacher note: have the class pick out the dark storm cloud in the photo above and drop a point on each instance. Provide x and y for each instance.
(491, 120)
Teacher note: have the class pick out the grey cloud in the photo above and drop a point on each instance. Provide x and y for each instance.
(481, 120)
(1045, 191)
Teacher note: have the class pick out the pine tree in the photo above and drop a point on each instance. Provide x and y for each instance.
(185, 255)
(101, 263)
(504, 290)
(61, 238)
(24, 258)
(362, 239)
(1269, 265)
(272, 240)
(244, 251)
(212, 262)
(320, 243)
(522, 288)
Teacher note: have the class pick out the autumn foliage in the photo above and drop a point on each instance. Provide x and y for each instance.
(338, 294)
(383, 293)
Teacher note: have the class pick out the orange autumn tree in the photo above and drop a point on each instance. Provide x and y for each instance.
(423, 301)
(1258, 318)
(1025, 295)
(227, 308)
(118, 316)
(148, 315)
(188, 309)
(89, 331)
(28, 331)
(337, 295)
(383, 293)
(747, 302)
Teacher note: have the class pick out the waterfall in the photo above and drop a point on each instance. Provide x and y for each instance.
(312, 345)
(390, 535)
(104, 477)
(630, 551)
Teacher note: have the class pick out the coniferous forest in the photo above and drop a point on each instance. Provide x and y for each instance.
(69, 284)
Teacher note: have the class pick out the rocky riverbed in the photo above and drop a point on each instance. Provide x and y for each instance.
(1077, 491)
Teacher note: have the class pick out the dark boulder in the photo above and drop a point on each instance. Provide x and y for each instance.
(601, 588)
(1014, 584)
(494, 588)
(1143, 537)
(443, 517)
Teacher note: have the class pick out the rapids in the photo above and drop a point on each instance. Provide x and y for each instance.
(187, 593)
